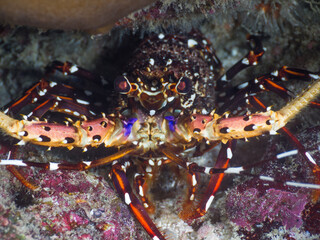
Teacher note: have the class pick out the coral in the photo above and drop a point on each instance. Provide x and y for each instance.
(67, 15)
(267, 16)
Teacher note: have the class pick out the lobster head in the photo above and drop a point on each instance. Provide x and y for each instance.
(154, 91)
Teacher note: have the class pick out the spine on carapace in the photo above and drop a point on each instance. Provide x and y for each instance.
(78, 134)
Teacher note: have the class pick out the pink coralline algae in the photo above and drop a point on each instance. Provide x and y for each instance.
(68, 205)
(248, 208)
(257, 204)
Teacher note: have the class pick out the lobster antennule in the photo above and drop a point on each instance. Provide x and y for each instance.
(79, 134)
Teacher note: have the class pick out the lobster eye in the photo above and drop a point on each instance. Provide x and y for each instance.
(122, 84)
(184, 85)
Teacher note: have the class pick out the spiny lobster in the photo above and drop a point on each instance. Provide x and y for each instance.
(165, 114)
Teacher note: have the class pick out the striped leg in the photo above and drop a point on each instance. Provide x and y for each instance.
(141, 186)
(124, 190)
(52, 96)
(251, 59)
(223, 159)
(16, 173)
(68, 68)
(193, 179)
(81, 166)
(307, 157)
(59, 97)
(268, 82)
(191, 167)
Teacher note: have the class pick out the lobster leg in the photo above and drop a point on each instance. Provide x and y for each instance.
(107, 130)
(124, 190)
(223, 159)
(68, 68)
(56, 96)
(92, 84)
(43, 93)
(81, 166)
(74, 107)
(15, 172)
(251, 59)
(306, 156)
(269, 82)
(252, 125)
(193, 179)
(225, 129)
(217, 173)
(140, 182)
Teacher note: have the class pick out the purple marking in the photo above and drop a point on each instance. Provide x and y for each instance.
(128, 126)
(172, 122)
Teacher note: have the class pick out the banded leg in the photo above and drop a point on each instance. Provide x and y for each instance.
(92, 83)
(193, 173)
(58, 97)
(17, 174)
(49, 96)
(68, 68)
(124, 190)
(251, 59)
(253, 100)
(81, 166)
(193, 179)
(214, 128)
(192, 167)
(269, 82)
(225, 154)
(141, 186)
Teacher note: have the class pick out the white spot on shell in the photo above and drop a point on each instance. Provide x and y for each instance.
(192, 43)
(209, 202)
(127, 198)
(152, 112)
(245, 61)
(161, 36)
(52, 84)
(53, 166)
(229, 153)
(169, 61)
(22, 133)
(141, 191)
(314, 76)
(151, 61)
(73, 69)
(194, 180)
(42, 92)
(20, 143)
(191, 197)
(170, 99)
(243, 85)
(82, 102)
